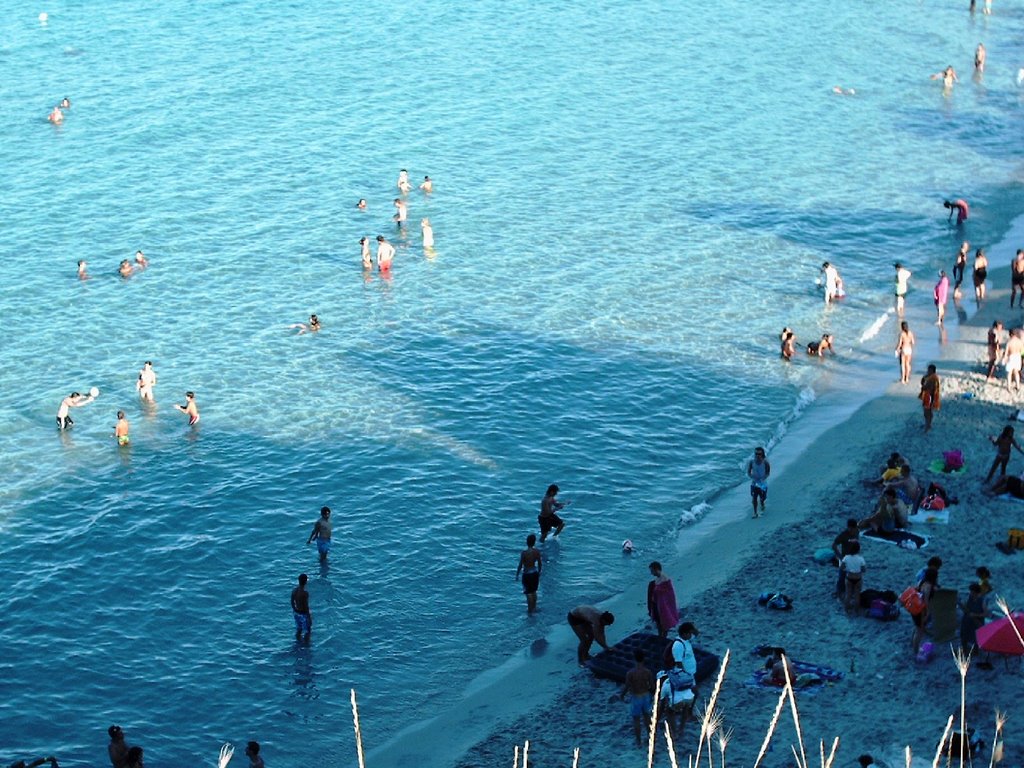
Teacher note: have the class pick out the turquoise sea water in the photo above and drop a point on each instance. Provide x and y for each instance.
(630, 203)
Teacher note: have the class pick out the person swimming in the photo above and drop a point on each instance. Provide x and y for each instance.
(125, 269)
(82, 274)
(140, 260)
(65, 103)
(312, 326)
(361, 205)
(819, 348)
(56, 116)
(427, 185)
(403, 181)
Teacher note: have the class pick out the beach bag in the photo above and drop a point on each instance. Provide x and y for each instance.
(954, 460)
(776, 601)
(1016, 538)
(912, 601)
(680, 680)
(933, 502)
(883, 611)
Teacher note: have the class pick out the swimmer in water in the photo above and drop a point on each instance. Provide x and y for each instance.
(74, 400)
(403, 182)
(121, 429)
(947, 76)
(313, 326)
(190, 408)
(65, 103)
(361, 205)
(427, 185)
(788, 346)
(140, 260)
(838, 90)
(56, 116)
(959, 265)
(364, 246)
(403, 211)
(125, 269)
(146, 382)
(82, 274)
(979, 57)
(428, 233)
(385, 253)
(819, 348)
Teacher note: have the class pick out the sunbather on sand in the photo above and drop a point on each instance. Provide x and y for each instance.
(890, 514)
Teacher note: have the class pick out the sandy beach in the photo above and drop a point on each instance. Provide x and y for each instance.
(886, 700)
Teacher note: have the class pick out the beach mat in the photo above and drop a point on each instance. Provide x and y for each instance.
(939, 466)
(828, 675)
(901, 537)
(945, 625)
(931, 516)
(614, 663)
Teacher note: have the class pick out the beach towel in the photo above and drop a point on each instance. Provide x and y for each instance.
(945, 624)
(900, 537)
(661, 604)
(817, 676)
(930, 516)
(939, 465)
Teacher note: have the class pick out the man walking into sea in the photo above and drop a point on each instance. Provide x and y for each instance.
(530, 564)
(758, 470)
(300, 609)
(322, 533)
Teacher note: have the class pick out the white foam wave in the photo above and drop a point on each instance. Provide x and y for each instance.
(875, 328)
(803, 400)
(694, 513)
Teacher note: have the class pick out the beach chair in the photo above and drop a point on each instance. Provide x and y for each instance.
(945, 624)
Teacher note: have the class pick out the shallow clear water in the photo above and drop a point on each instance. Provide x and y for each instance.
(628, 207)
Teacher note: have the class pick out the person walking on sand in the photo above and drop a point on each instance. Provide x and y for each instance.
(905, 351)
(530, 565)
(74, 400)
(640, 689)
(385, 253)
(1017, 278)
(980, 274)
(931, 398)
(588, 623)
(322, 534)
(902, 281)
(146, 382)
(548, 517)
(1012, 358)
(661, 600)
(121, 429)
(758, 470)
(190, 408)
(926, 587)
(300, 609)
(995, 341)
(853, 566)
(1004, 445)
(959, 265)
(941, 296)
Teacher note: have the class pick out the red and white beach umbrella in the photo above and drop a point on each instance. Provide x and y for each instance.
(1000, 636)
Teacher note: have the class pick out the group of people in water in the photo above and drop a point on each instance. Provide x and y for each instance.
(385, 250)
(125, 269)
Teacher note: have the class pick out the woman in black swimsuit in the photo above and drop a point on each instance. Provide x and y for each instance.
(980, 273)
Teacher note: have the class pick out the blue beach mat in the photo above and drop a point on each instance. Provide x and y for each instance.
(614, 663)
(901, 537)
(826, 676)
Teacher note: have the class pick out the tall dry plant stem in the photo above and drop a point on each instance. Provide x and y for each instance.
(832, 754)
(802, 761)
(771, 729)
(671, 745)
(576, 757)
(526, 753)
(515, 757)
(963, 663)
(710, 709)
(945, 735)
(359, 733)
(1006, 612)
(997, 743)
(653, 733)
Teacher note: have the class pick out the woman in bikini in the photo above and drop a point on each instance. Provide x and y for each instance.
(905, 351)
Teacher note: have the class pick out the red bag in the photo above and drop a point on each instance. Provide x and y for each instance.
(912, 601)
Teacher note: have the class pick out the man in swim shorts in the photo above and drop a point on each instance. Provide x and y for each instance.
(902, 278)
(758, 469)
(146, 382)
(548, 518)
(74, 400)
(300, 609)
(640, 689)
(588, 623)
(385, 253)
(530, 564)
(322, 533)
(121, 429)
(190, 408)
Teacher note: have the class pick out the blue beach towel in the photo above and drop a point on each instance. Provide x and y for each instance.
(826, 676)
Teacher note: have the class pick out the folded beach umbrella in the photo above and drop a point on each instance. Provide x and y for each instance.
(999, 636)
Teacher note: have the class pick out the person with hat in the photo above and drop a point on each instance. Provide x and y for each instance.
(902, 279)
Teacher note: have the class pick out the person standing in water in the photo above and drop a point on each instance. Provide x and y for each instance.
(403, 182)
(941, 295)
(979, 58)
(121, 429)
(190, 408)
(1017, 278)
(83, 275)
(947, 76)
(300, 609)
(959, 265)
(961, 207)
(322, 533)
(428, 233)
(980, 274)
(548, 517)
(385, 253)
(74, 400)
(427, 185)
(530, 565)
(931, 396)
(364, 247)
(902, 280)
(403, 212)
(758, 470)
(905, 351)
(146, 382)
(788, 348)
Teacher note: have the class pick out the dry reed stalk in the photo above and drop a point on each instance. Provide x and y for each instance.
(724, 737)
(997, 744)
(908, 755)
(711, 704)
(526, 753)
(771, 729)
(654, 724)
(945, 735)
(802, 762)
(576, 757)
(671, 746)
(1006, 610)
(832, 754)
(515, 757)
(359, 735)
(226, 751)
(963, 663)
(711, 722)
